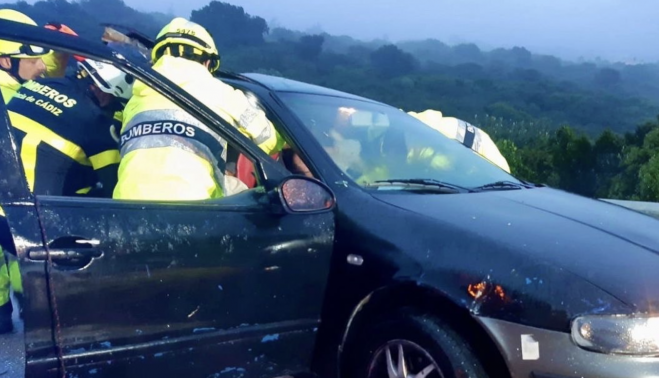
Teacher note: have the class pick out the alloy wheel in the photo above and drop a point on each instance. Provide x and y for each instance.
(403, 359)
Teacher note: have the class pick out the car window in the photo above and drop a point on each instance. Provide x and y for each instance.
(372, 142)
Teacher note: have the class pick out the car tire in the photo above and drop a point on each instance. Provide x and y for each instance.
(430, 348)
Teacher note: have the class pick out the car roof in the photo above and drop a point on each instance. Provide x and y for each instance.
(280, 84)
(28, 34)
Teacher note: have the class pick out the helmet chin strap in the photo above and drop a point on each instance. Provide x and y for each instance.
(13, 71)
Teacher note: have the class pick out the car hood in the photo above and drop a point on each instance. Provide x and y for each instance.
(610, 246)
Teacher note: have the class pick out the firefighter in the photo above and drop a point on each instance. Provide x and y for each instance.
(166, 154)
(63, 128)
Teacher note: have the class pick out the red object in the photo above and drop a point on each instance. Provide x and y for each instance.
(245, 170)
(60, 28)
(66, 30)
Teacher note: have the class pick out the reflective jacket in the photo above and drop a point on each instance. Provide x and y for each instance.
(471, 136)
(166, 154)
(8, 86)
(64, 138)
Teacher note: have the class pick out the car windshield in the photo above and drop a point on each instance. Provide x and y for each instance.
(372, 142)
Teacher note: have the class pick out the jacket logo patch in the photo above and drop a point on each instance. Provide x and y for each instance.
(158, 128)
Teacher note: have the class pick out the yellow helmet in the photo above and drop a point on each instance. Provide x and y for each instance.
(186, 39)
(17, 49)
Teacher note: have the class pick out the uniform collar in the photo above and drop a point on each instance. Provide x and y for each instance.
(8, 81)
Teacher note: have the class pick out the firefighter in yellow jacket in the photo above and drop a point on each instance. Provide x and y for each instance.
(166, 154)
(471, 136)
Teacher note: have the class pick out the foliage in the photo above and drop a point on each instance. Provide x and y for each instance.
(230, 25)
(390, 61)
(611, 166)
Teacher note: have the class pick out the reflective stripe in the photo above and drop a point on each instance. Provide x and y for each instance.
(265, 136)
(35, 134)
(47, 136)
(176, 129)
(29, 148)
(246, 123)
(84, 190)
(470, 134)
(169, 115)
(105, 158)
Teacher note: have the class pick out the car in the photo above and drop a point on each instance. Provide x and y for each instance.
(393, 252)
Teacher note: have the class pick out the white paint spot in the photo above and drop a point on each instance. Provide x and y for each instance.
(355, 260)
(530, 348)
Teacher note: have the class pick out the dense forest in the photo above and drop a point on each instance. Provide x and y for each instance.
(586, 127)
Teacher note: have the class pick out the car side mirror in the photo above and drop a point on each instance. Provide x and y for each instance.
(301, 194)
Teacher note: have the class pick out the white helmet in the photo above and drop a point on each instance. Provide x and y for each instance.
(109, 78)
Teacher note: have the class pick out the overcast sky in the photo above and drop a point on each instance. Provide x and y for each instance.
(620, 30)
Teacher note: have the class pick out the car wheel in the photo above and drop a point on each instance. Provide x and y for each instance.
(411, 345)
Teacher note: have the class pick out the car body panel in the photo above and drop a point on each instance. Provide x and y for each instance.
(558, 356)
(280, 84)
(172, 277)
(622, 245)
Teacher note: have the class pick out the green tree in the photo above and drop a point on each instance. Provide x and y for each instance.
(230, 25)
(608, 158)
(390, 61)
(310, 46)
(607, 77)
(649, 180)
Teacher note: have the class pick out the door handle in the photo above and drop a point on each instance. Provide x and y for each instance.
(64, 254)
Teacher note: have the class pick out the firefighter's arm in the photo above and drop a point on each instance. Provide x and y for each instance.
(250, 120)
(106, 166)
(56, 61)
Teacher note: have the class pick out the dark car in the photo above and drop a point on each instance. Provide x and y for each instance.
(404, 255)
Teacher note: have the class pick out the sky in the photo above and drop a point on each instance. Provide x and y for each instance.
(617, 30)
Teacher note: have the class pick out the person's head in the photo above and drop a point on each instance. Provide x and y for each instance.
(186, 39)
(23, 62)
(106, 82)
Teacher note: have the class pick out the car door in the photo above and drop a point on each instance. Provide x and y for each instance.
(33, 331)
(229, 287)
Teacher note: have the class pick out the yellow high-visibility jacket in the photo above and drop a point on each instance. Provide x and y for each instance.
(465, 133)
(166, 154)
(8, 86)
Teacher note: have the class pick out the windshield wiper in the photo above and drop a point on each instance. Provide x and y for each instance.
(502, 185)
(421, 183)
